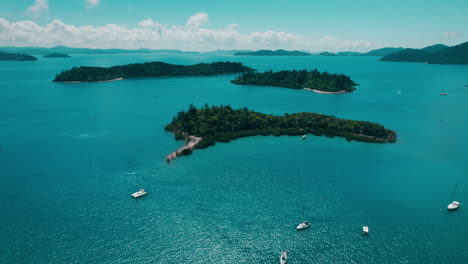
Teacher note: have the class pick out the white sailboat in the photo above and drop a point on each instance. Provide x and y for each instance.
(284, 257)
(305, 224)
(455, 204)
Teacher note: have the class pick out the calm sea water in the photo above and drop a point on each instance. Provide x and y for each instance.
(71, 155)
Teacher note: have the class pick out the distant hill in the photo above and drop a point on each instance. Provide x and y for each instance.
(57, 55)
(348, 53)
(436, 54)
(69, 50)
(327, 54)
(279, 52)
(435, 48)
(5, 56)
(382, 51)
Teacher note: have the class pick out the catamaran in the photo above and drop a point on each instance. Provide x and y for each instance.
(284, 257)
(139, 194)
(365, 230)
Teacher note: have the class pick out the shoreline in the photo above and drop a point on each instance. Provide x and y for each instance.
(323, 92)
(112, 80)
(190, 144)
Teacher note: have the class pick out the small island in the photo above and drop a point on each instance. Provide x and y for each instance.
(326, 53)
(202, 127)
(57, 55)
(148, 69)
(319, 82)
(279, 52)
(5, 56)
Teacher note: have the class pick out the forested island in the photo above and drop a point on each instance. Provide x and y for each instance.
(57, 55)
(435, 54)
(148, 69)
(5, 56)
(279, 52)
(202, 127)
(304, 79)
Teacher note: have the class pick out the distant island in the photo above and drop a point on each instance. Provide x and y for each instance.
(202, 127)
(436, 54)
(327, 54)
(71, 50)
(57, 55)
(5, 56)
(310, 80)
(382, 52)
(279, 52)
(148, 69)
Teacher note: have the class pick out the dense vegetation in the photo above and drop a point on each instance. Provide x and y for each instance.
(223, 123)
(279, 52)
(57, 55)
(148, 69)
(436, 54)
(298, 80)
(16, 57)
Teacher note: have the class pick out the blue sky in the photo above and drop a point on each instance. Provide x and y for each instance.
(243, 24)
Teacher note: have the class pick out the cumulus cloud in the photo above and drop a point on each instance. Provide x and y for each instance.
(92, 3)
(37, 8)
(193, 35)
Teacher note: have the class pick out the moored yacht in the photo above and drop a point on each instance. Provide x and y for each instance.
(303, 225)
(454, 205)
(284, 257)
(304, 137)
(139, 194)
(365, 230)
(443, 93)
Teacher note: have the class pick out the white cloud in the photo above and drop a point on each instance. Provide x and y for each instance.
(36, 9)
(193, 35)
(92, 3)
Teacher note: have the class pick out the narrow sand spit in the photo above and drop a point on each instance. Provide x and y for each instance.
(189, 144)
(113, 80)
(323, 92)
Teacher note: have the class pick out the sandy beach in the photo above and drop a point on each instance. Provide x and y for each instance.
(190, 144)
(113, 80)
(323, 92)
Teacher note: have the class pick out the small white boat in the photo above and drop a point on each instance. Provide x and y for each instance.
(453, 206)
(365, 230)
(284, 257)
(304, 137)
(443, 93)
(139, 194)
(303, 225)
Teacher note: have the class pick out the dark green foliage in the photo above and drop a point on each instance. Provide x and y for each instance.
(148, 69)
(436, 54)
(298, 80)
(16, 57)
(279, 52)
(57, 55)
(223, 123)
(185, 151)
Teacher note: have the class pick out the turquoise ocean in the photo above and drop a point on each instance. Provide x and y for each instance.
(71, 155)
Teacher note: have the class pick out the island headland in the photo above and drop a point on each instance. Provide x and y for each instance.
(5, 56)
(202, 127)
(148, 69)
(303, 79)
